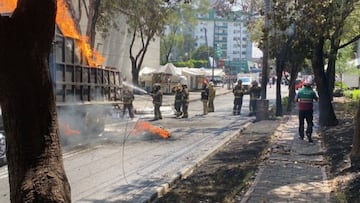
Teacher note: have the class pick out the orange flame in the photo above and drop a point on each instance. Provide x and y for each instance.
(68, 131)
(7, 6)
(67, 26)
(146, 126)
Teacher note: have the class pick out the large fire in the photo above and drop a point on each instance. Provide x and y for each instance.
(68, 27)
(142, 126)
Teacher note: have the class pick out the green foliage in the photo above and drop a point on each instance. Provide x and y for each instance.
(341, 85)
(352, 94)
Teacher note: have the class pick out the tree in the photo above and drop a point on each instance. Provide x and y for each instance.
(35, 163)
(181, 20)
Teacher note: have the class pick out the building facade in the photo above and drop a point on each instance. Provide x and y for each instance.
(229, 37)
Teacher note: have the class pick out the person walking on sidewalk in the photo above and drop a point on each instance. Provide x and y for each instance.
(238, 92)
(305, 98)
(185, 100)
(212, 93)
(157, 96)
(205, 97)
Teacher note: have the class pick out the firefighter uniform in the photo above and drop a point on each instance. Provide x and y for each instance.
(157, 96)
(178, 101)
(212, 93)
(238, 92)
(205, 97)
(185, 100)
(128, 98)
(254, 92)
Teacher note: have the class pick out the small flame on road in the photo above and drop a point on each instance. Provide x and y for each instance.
(142, 126)
(68, 131)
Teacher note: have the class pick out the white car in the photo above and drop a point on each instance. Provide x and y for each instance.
(246, 83)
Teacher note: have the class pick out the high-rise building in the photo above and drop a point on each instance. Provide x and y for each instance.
(229, 37)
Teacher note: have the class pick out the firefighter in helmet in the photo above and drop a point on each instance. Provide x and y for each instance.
(178, 100)
(185, 100)
(157, 96)
(128, 98)
(205, 97)
(212, 93)
(238, 92)
(254, 92)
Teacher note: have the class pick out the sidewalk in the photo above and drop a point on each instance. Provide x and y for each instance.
(294, 170)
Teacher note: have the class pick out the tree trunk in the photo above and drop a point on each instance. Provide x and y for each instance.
(355, 151)
(35, 163)
(92, 18)
(326, 111)
(293, 75)
(330, 71)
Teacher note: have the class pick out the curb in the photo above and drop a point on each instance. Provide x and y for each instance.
(165, 187)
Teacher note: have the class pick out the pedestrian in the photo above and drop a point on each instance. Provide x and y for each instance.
(212, 93)
(305, 98)
(157, 96)
(178, 100)
(254, 92)
(238, 92)
(205, 97)
(185, 100)
(128, 98)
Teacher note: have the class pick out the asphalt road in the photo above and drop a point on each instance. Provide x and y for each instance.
(121, 166)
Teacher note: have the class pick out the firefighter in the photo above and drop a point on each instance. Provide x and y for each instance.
(178, 100)
(185, 100)
(157, 96)
(212, 93)
(254, 92)
(128, 98)
(238, 92)
(205, 97)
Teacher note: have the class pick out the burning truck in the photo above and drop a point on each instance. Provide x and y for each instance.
(84, 94)
(85, 90)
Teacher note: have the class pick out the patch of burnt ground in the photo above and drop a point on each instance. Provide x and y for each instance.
(229, 171)
(338, 142)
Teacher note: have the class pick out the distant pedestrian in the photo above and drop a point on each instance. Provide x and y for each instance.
(128, 98)
(157, 96)
(205, 97)
(212, 93)
(305, 98)
(238, 92)
(254, 92)
(185, 100)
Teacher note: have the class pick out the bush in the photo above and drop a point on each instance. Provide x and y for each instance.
(352, 94)
(340, 85)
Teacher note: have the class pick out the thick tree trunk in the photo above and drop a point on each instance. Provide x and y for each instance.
(355, 151)
(35, 164)
(293, 75)
(327, 116)
(330, 71)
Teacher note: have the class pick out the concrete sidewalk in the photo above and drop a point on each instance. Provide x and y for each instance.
(293, 171)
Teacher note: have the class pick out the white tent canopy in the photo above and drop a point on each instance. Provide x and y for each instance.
(168, 68)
